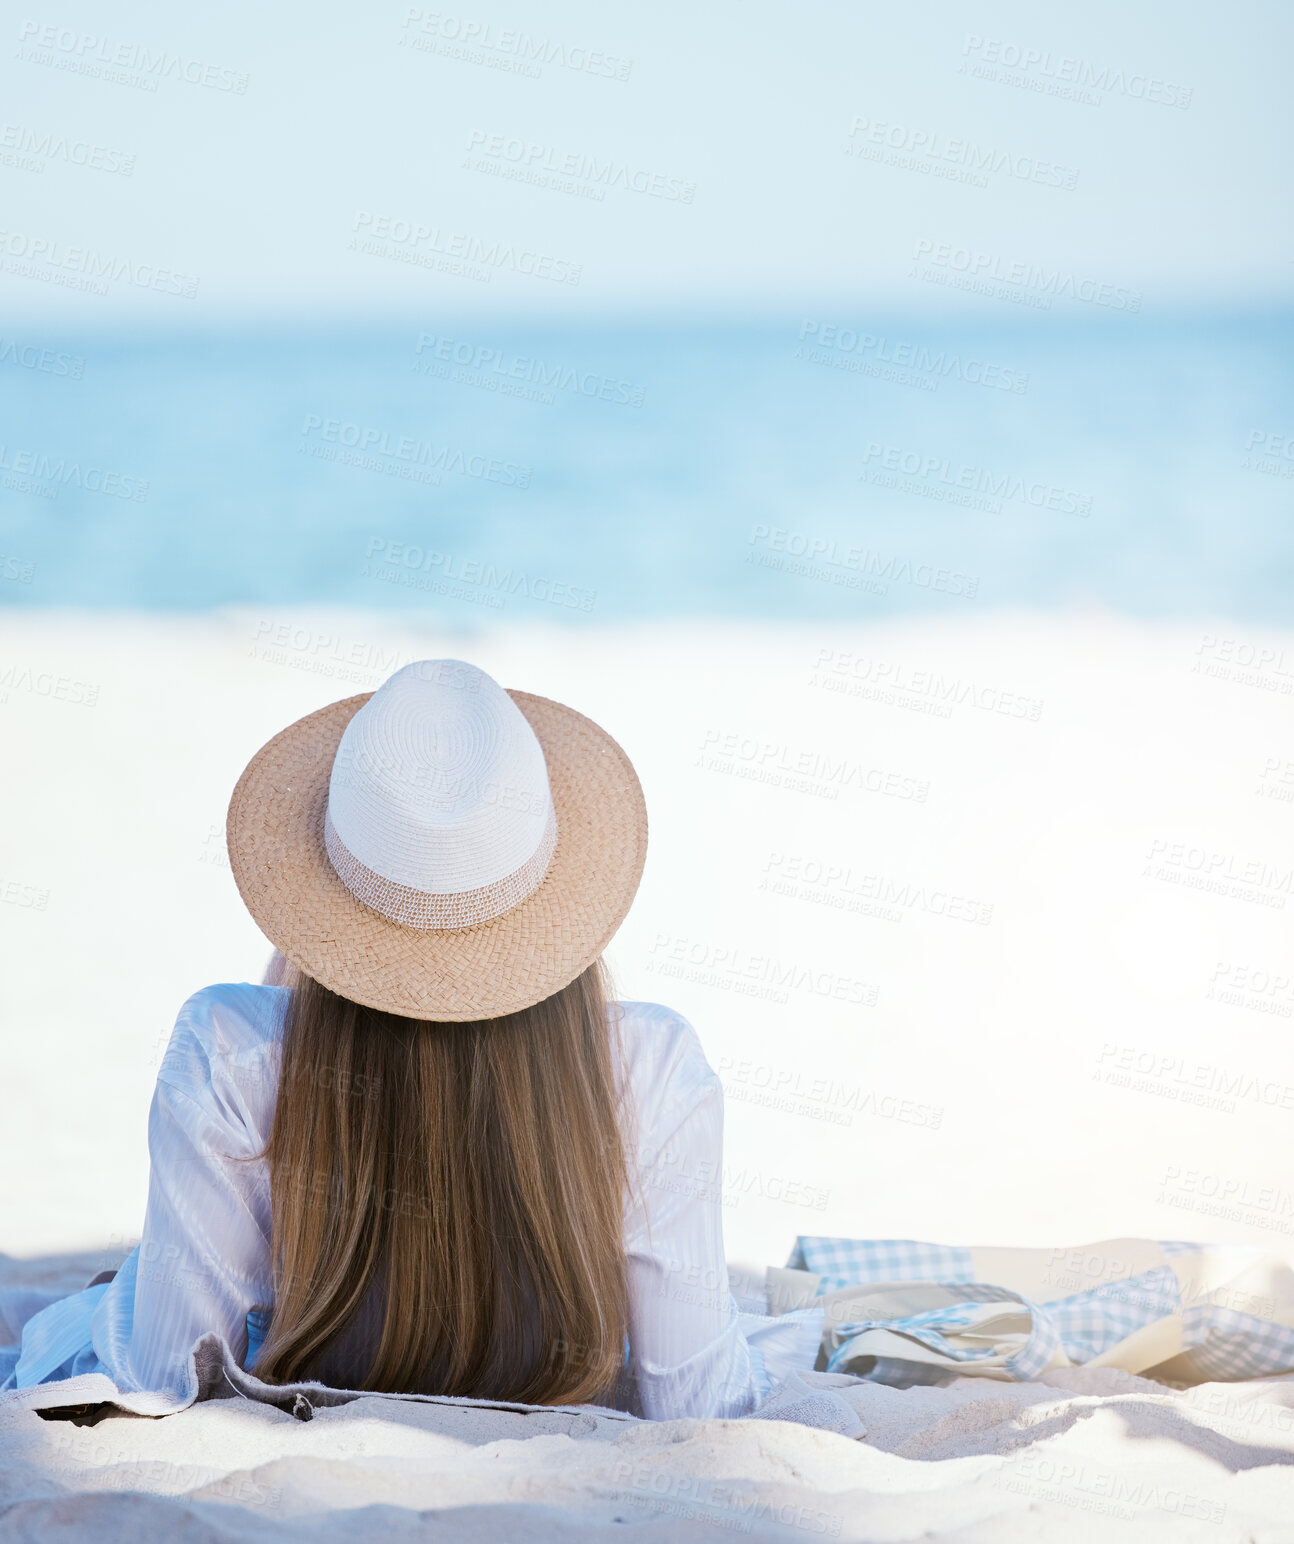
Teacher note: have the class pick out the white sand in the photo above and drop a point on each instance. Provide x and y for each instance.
(1078, 1456)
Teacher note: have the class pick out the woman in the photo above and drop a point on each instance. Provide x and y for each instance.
(433, 1157)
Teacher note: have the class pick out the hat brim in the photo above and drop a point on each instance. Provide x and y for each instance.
(275, 832)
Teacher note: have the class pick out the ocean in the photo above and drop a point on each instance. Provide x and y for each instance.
(810, 466)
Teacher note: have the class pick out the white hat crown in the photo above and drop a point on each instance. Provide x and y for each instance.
(440, 813)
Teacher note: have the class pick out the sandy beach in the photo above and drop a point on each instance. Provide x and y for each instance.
(1076, 1456)
(982, 922)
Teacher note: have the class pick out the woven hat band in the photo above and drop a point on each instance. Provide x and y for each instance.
(426, 910)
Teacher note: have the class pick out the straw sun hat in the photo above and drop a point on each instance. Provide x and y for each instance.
(439, 848)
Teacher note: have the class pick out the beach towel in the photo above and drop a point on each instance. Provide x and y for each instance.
(808, 1400)
(48, 1364)
(895, 1311)
(902, 1312)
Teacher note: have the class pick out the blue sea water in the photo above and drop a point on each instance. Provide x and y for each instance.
(777, 468)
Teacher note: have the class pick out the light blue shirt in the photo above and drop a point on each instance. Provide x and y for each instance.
(203, 1262)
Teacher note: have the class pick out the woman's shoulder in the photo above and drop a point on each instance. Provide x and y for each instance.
(224, 1039)
(234, 1016)
(663, 1059)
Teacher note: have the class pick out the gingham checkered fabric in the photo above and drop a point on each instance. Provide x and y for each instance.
(850, 1262)
(1225, 1345)
(927, 1328)
(1091, 1322)
(1182, 1308)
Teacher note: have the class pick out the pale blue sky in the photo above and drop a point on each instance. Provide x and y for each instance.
(257, 194)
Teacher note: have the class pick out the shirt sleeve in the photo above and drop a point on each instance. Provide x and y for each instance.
(689, 1353)
(204, 1257)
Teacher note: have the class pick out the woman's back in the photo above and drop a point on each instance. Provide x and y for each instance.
(206, 1257)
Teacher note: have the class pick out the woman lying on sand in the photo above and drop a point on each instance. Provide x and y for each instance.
(435, 1158)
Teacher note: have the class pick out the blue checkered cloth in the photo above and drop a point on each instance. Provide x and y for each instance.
(1219, 1344)
(1033, 1357)
(1091, 1322)
(855, 1262)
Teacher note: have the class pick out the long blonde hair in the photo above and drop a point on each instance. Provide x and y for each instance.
(469, 1179)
